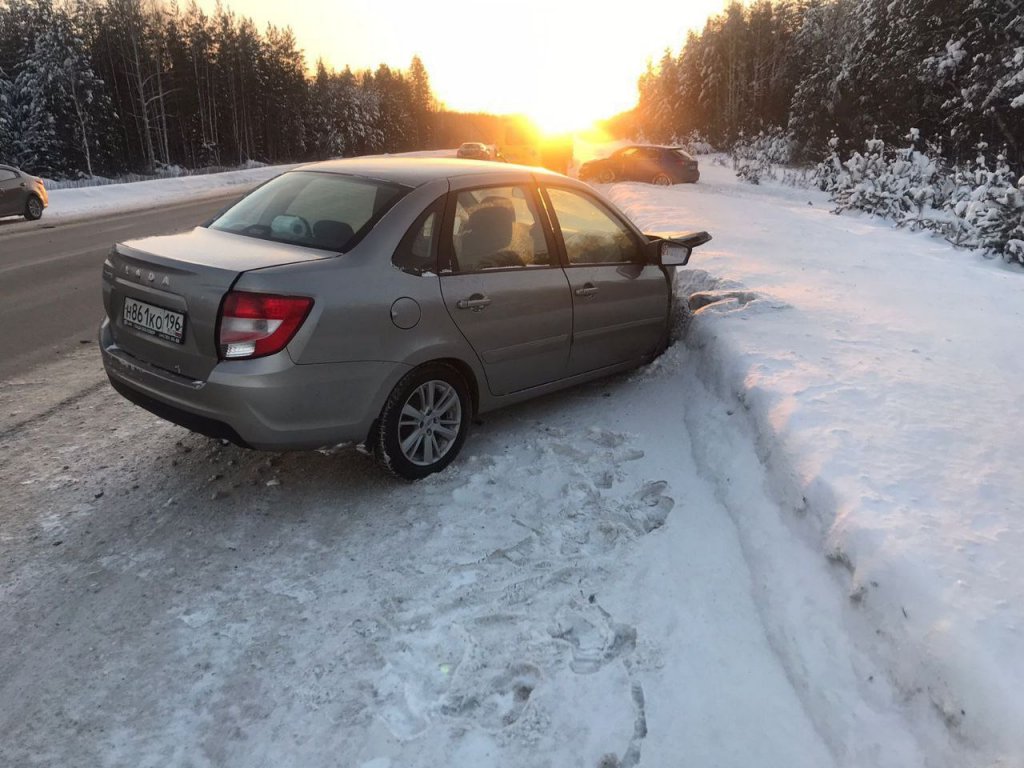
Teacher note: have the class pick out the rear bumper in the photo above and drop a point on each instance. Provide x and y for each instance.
(269, 403)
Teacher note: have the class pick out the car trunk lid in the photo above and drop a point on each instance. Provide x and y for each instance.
(187, 274)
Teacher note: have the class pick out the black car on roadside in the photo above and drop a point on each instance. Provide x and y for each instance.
(643, 162)
(474, 150)
(21, 194)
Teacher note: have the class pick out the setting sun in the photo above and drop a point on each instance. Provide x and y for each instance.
(563, 65)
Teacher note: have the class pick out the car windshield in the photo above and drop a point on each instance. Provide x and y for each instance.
(680, 153)
(330, 211)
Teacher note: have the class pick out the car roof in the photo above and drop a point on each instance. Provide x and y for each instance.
(415, 171)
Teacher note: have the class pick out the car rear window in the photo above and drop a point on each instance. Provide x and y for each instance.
(330, 211)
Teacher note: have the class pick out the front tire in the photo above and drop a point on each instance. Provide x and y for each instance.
(605, 176)
(33, 208)
(424, 422)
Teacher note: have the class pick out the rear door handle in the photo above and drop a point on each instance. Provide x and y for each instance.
(476, 302)
(588, 289)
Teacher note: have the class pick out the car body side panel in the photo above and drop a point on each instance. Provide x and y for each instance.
(12, 194)
(522, 337)
(620, 311)
(624, 319)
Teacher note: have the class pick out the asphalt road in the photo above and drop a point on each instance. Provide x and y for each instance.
(50, 299)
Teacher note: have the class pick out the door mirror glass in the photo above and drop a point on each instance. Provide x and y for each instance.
(673, 254)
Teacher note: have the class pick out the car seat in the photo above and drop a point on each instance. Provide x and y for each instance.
(486, 240)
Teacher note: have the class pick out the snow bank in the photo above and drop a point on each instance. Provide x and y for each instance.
(115, 198)
(881, 373)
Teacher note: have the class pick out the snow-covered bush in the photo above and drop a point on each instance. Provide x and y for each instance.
(828, 171)
(695, 144)
(972, 206)
(754, 158)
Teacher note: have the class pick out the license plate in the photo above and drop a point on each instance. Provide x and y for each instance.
(155, 321)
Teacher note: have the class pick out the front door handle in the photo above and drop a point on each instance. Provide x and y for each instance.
(588, 289)
(476, 302)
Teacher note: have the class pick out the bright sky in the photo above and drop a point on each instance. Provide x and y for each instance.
(563, 63)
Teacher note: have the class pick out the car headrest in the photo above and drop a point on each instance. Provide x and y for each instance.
(332, 234)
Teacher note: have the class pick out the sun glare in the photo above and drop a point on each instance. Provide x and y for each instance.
(563, 64)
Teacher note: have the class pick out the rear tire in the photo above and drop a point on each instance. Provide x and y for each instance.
(33, 208)
(662, 180)
(424, 422)
(605, 176)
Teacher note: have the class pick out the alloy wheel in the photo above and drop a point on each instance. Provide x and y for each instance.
(429, 422)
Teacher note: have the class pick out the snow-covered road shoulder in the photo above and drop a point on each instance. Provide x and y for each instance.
(87, 202)
(880, 372)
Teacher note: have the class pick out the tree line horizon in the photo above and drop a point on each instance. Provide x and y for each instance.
(946, 75)
(106, 87)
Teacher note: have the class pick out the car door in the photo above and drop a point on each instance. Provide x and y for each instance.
(11, 200)
(503, 285)
(626, 164)
(620, 301)
(648, 164)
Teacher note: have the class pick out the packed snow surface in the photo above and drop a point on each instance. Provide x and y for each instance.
(882, 373)
(792, 540)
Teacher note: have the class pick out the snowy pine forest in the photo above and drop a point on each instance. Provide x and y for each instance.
(910, 109)
(104, 87)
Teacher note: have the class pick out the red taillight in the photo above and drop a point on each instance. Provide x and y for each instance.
(259, 324)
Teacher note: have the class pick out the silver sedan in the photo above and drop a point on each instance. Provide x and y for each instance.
(385, 302)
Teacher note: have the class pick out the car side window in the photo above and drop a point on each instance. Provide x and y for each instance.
(417, 253)
(497, 228)
(6, 175)
(591, 234)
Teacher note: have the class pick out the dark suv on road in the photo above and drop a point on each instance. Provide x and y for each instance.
(21, 194)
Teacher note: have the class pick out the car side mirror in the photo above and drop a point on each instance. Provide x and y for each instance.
(674, 249)
(673, 254)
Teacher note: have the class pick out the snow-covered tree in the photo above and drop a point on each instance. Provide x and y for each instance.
(64, 100)
(6, 118)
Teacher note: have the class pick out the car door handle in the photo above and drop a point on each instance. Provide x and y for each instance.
(476, 302)
(588, 289)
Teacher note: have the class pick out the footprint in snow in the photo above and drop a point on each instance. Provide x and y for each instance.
(654, 506)
(594, 638)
